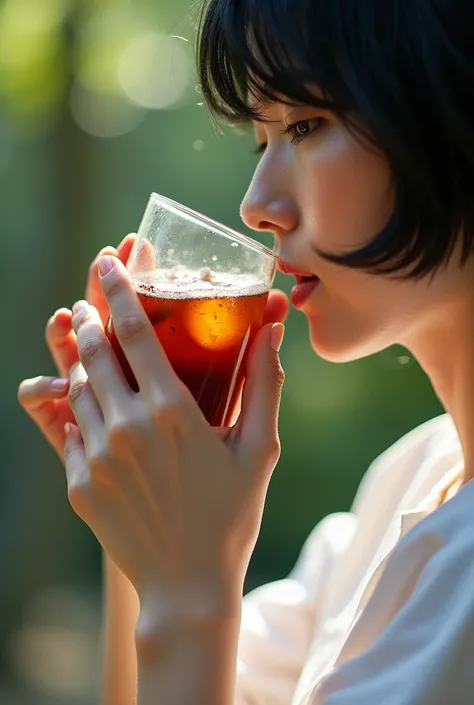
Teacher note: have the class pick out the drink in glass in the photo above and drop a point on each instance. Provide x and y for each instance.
(204, 289)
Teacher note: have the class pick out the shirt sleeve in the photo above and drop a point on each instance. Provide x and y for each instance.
(278, 619)
(424, 656)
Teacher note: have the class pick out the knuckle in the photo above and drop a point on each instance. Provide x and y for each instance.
(113, 288)
(125, 434)
(278, 374)
(274, 449)
(79, 493)
(100, 465)
(76, 390)
(130, 326)
(89, 349)
(266, 451)
(172, 412)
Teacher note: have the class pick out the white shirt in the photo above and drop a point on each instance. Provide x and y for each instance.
(379, 609)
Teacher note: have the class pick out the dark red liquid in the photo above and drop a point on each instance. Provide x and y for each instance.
(207, 341)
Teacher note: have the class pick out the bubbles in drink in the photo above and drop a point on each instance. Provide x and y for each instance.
(206, 274)
(206, 322)
(216, 323)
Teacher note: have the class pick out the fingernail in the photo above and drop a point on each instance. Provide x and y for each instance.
(72, 432)
(80, 306)
(105, 265)
(109, 250)
(60, 385)
(276, 336)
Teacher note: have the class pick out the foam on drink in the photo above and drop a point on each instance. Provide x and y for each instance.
(206, 322)
(180, 282)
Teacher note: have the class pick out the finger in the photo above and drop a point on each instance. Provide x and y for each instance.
(143, 258)
(100, 362)
(94, 293)
(32, 393)
(276, 311)
(236, 411)
(43, 399)
(146, 357)
(125, 248)
(277, 307)
(223, 433)
(87, 411)
(61, 341)
(258, 423)
(77, 471)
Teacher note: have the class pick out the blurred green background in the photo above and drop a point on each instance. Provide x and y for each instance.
(98, 108)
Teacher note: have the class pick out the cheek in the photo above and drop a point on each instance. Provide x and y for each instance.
(348, 197)
(355, 315)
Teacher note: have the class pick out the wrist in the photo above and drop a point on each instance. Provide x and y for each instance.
(167, 615)
(187, 648)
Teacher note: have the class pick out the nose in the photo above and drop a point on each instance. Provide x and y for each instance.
(267, 207)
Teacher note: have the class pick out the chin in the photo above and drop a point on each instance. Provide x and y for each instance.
(338, 349)
(337, 356)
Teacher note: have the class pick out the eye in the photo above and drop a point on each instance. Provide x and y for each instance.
(302, 129)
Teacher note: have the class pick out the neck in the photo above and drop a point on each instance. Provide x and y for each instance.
(444, 347)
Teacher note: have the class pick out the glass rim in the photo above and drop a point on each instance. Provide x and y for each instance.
(214, 225)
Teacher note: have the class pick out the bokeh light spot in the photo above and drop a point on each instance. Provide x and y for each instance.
(156, 71)
(103, 115)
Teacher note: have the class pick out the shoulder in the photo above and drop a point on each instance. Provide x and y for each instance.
(419, 621)
(430, 574)
(430, 449)
(429, 437)
(453, 523)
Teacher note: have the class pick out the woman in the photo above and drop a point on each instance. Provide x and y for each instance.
(364, 122)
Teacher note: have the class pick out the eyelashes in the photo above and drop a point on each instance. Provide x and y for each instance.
(302, 129)
(298, 131)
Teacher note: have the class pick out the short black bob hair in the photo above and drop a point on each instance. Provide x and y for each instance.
(402, 69)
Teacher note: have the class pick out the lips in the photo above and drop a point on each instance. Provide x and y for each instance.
(306, 282)
(286, 268)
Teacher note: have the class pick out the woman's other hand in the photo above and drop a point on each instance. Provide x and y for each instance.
(45, 398)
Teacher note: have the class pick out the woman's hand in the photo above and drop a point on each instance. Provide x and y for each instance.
(176, 504)
(45, 398)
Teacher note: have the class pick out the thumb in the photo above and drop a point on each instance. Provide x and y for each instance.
(258, 422)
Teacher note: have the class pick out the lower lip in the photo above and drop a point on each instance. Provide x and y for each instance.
(301, 292)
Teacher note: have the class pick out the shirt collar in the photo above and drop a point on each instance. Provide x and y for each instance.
(411, 519)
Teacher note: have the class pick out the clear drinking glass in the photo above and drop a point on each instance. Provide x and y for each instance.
(204, 287)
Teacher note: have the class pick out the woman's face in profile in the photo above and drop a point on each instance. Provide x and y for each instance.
(318, 188)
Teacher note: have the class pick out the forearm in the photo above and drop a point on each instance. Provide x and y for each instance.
(121, 610)
(187, 661)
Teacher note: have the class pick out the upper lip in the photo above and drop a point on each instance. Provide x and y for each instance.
(287, 268)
